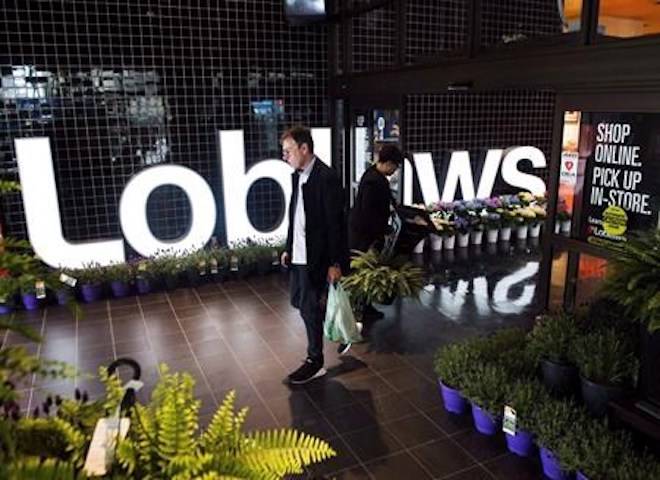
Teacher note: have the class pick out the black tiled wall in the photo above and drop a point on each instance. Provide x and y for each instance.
(119, 85)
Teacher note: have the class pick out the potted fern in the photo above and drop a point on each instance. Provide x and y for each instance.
(377, 278)
(551, 343)
(608, 368)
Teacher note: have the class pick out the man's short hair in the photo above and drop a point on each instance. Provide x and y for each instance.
(390, 153)
(300, 135)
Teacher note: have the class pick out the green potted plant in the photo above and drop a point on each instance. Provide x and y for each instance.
(485, 388)
(91, 279)
(551, 344)
(120, 276)
(168, 267)
(194, 266)
(608, 368)
(524, 397)
(28, 287)
(376, 278)
(593, 451)
(554, 420)
(451, 364)
(145, 275)
(635, 467)
(219, 260)
(8, 290)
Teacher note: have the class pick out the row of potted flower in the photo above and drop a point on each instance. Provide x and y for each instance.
(464, 221)
(496, 375)
(166, 270)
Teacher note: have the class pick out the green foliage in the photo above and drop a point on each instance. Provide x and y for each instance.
(593, 449)
(163, 441)
(453, 361)
(634, 278)
(524, 396)
(485, 385)
(90, 274)
(7, 186)
(376, 278)
(634, 467)
(123, 272)
(166, 264)
(606, 358)
(50, 437)
(33, 468)
(553, 337)
(8, 288)
(555, 419)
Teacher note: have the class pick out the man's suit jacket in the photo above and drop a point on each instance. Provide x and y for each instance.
(325, 227)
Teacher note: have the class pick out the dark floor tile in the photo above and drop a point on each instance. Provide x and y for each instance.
(296, 404)
(442, 457)
(448, 422)
(265, 370)
(275, 388)
(226, 380)
(372, 443)
(370, 383)
(344, 459)
(397, 467)
(405, 379)
(316, 425)
(425, 397)
(382, 362)
(482, 447)
(385, 408)
(259, 418)
(512, 467)
(414, 430)
(349, 418)
(132, 346)
(209, 348)
(331, 394)
(475, 473)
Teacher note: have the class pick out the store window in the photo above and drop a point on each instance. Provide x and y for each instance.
(558, 280)
(628, 18)
(591, 274)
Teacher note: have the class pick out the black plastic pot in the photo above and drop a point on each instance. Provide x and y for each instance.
(596, 396)
(562, 379)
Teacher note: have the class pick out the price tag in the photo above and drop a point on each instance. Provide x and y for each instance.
(108, 432)
(40, 289)
(142, 267)
(233, 262)
(214, 266)
(68, 280)
(509, 421)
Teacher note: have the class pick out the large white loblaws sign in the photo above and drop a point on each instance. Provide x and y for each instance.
(44, 223)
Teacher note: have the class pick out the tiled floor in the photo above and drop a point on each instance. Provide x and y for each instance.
(378, 407)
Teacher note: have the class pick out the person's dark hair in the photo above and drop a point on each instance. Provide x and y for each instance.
(300, 135)
(390, 153)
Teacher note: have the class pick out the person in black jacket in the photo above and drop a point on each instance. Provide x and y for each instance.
(368, 220)
(369, 217)
(316, 242)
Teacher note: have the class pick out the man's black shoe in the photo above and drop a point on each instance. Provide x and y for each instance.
(371, 312)
(307, 372)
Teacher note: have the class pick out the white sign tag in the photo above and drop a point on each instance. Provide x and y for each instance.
(509, 421)
(104, 442)
(68, 280)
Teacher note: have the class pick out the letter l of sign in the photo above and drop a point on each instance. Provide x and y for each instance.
(42, 212)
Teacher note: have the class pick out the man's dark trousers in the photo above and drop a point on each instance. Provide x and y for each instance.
(306, 297)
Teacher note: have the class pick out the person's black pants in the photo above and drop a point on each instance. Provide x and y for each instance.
(308, 299)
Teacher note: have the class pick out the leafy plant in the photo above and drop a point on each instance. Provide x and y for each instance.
(122, 272)
(553, 337)
(593, 449)
(485, 385)
(375, 278)
(525, 396)
(635, 467)
(163, 441)
(453, 361)
(90, 274)
(8, 288)
(35, 468)
(606, 358)
(634, 278)
(555, 419)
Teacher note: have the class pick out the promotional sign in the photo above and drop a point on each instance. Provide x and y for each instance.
(622, 179)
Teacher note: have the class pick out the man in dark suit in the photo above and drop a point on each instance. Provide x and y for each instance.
(315, 246)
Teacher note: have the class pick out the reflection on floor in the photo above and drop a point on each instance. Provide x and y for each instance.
(378, 406)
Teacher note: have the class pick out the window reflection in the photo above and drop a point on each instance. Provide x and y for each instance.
(628, 18)
(558, 281)
(591, 274)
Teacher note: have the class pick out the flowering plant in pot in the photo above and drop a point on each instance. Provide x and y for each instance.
(462, 227)
(91, 279)
(451, 363)
(551, 344)
(608, 368)
(554, 420)
(492, 222)
(144, 275)
(120, 276)
(167, 267)
(592, 450)
(194, 267)
(524, 396)
(485, 387)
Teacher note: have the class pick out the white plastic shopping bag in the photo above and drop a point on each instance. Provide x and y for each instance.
(340, 325)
